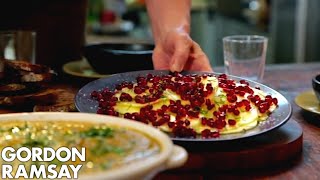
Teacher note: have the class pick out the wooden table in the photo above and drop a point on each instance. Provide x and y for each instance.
(290, 80)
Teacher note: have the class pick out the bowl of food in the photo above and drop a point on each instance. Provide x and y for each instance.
(110, 58)
(316, 85)
(114, 148)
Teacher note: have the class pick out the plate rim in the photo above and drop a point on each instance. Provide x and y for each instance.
(178, 139)
(299, 104)
(67, 70)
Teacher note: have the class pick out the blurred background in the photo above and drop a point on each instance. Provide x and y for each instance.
(291, 25)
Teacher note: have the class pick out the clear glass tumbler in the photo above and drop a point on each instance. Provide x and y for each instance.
(18, 45)
(245, 56)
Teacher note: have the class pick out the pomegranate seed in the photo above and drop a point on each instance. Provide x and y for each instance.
(211, 123)
(215, 134)
(239, 104)
(232, 122)
(236, 112)
(193, 114)
(119, 87)
(127, 115)
(159, 122)
(275, 101)
(268, 97)
(94, 94)
(125, 97)
(171, 124)
(182, 112)
(205, 133)
(100, 111)
(220, 124)
(187, 107)
(241, 93)
(231, 109)
(138, 90)
(216, 113)
(248, 107)
(149, 76)
(187, 122)
(232, 98)
(166, 117)
(164, 108)
(244, 82)
(160, 112)
(222, 76)
(110, 112)
(203, 121)
(139, 99)
(173, 108)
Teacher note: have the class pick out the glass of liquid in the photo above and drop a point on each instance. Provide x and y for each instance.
(18, 45)
(245, 56)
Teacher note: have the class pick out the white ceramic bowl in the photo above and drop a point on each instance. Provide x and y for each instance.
(170, 156)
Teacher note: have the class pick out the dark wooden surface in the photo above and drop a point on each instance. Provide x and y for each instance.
(290, 80)
(266, 150)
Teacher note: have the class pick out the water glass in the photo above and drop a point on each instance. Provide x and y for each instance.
(245, 56)
(18, 45)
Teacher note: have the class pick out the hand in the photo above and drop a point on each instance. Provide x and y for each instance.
(177, 51)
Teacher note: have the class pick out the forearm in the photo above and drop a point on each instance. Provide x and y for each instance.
(168, 15)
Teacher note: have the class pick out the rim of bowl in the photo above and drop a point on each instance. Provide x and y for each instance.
(119, 51)
(151, 164)
(316, 79)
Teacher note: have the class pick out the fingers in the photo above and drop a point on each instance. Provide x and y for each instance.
(181, 53)
(198, 61)
(160, 59)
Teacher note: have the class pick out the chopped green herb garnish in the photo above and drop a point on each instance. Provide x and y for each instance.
(203, 111)
(97, 132)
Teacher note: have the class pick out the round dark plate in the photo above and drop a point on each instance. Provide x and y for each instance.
(84, 103)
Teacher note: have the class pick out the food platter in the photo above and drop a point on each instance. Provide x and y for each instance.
(280, 116)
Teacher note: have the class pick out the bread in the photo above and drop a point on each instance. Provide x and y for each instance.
(13, 89)
(24, 85)
(21, 71)
(32, 77)
(64, 103)
(67, 107)
(26, 66)
(46, 96)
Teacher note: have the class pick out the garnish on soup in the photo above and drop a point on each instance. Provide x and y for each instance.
(187, 105)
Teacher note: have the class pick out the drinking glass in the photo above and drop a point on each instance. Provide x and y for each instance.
(18, 45)
(245, 56)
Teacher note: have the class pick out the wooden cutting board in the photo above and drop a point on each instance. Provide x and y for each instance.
(273, 148)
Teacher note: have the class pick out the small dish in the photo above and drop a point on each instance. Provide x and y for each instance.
(308, 101)
(316, 86)
(111, 58)
(81, 68)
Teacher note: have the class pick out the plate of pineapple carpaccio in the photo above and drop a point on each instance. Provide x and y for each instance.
(189, 106)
